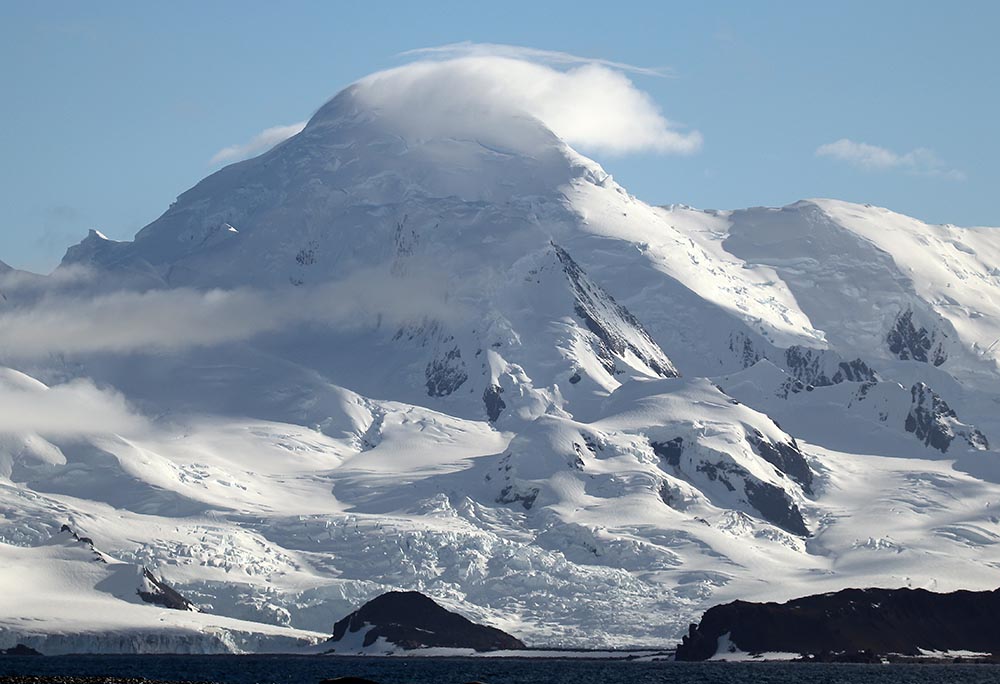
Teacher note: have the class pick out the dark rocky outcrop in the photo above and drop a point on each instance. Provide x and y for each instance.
(446, 373)
(88, 679)
(908, 342)
(670, 451)
(86, 541)
(879, 621)
(744, 350)
(513, 494)
(785, 456)
(611, 323)
(494, 402)
(935, 424)
(409, 620)
(151, 589)
(822, 368)
(154, 590)
(774, 504)
(19, 650)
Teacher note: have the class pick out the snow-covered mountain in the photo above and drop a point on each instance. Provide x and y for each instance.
(450, 354)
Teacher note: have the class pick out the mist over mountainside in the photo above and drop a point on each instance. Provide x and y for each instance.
(424, 344)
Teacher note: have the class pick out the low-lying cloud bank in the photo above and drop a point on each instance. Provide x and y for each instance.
(155, 320)
(74, 408)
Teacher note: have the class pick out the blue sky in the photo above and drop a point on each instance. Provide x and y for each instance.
(111, 109)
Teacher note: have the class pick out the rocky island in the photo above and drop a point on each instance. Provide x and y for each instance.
(408, 620)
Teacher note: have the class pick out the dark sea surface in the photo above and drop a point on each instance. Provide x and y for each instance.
(253, 669)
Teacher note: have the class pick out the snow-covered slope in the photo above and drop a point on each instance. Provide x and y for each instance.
(63, 596)
(448, 353)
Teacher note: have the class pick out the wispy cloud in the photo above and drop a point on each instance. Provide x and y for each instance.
(157, 320)
(470, 49)
(73, 408)
(920, 161)
(261, 142)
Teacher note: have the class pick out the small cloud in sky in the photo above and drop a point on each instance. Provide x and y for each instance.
(920, 161)
(261, 142)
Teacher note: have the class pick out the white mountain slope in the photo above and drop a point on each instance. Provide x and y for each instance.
(443, 351)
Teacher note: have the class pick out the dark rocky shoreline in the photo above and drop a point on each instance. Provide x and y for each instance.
(854, 625)
(94, 679)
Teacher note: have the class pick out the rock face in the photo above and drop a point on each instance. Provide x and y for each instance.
(410, 620)
(908, 342)
(882, 621)
(154, 590)
(618, 332)
(936, 424)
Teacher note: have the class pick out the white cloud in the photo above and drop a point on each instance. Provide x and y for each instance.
(466, 88)
(920, 161)
(73, 408)
(591, 104)
(261, 142)
(470, 49)
(155, 320)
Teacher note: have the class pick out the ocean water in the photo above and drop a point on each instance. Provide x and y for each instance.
(311, 669)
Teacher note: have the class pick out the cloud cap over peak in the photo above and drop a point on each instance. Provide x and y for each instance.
(590, 104)
(461, 88)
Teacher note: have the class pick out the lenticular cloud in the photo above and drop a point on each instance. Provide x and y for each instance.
(592, 105)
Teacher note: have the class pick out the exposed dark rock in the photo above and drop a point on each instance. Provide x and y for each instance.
(935, 424)
(855, 621)
(717, 472)
(908, 342)
(774, 504)
(606, 318)
(511, 494)
(347, 680)
(86, 541)
(493, 402)
(854, 371)
(160, 593)
(410, 620)
(811, 368)
(19, 650)
(87, 679)
(785, 456)
(446, 373)
(743, 347)
(670, 451)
